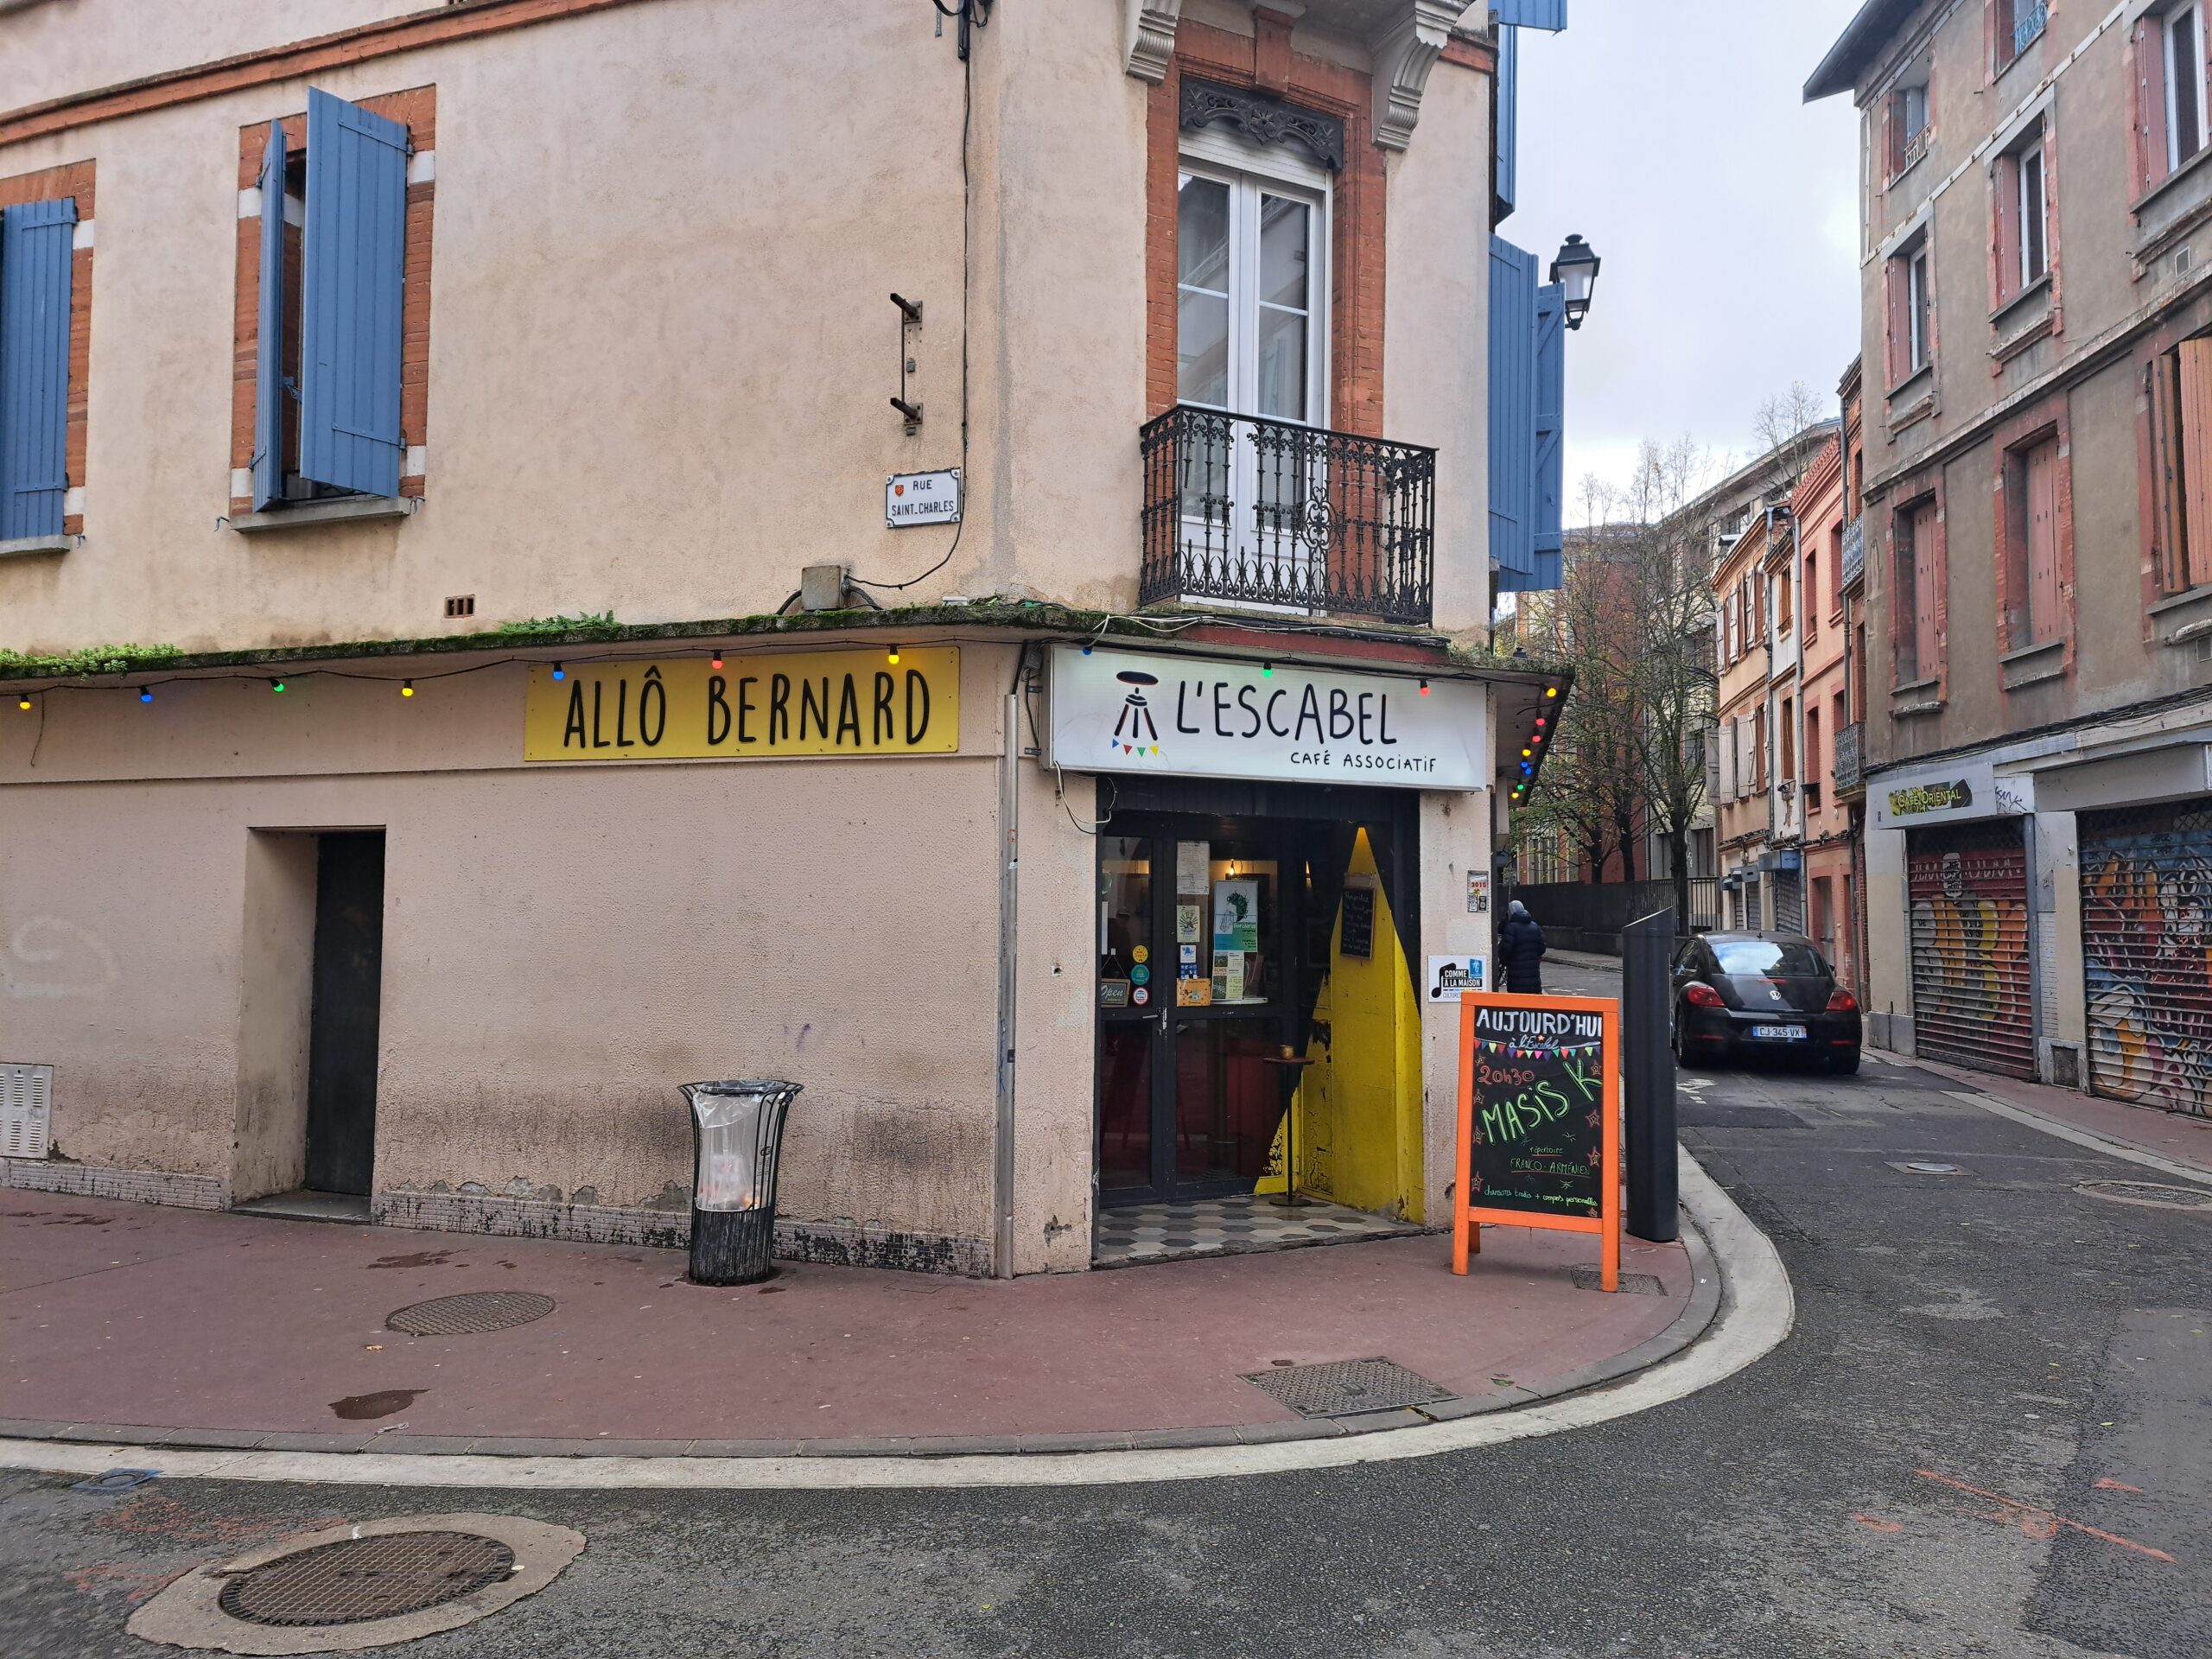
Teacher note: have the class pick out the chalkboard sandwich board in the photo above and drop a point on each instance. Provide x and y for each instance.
(1540, 1128)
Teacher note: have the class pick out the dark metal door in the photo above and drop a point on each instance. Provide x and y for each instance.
(1972, 1000)
(2146, 933)
(342, 1030)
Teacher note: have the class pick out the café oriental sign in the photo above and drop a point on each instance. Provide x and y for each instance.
(1183, 716)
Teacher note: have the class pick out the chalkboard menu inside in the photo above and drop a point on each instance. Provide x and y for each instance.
(1358, 938)
(1539, 1111)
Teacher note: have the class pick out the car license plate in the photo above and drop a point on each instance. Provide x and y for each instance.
(1780, 1034)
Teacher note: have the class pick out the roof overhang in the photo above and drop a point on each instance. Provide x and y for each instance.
(1862, 41)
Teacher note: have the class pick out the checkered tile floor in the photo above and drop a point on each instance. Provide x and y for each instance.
(1229, 1226)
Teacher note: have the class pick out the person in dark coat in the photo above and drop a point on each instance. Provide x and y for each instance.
(1521, 952)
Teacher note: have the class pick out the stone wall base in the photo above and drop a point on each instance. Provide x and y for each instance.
(839, 1243)
(130, 1185)
(831, 1243)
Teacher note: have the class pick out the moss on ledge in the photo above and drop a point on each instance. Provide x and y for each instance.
(1020, 616)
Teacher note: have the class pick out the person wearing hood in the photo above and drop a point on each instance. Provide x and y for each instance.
(1521, 952)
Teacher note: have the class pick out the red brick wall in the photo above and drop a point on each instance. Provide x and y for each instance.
(1355, 253)
(53, 184)
(416, 110)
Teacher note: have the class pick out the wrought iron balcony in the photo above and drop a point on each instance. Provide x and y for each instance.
(2028, 22)
(1850, 760)
(1252, 512)
(1854, 551)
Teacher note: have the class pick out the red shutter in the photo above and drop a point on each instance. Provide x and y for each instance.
(2005, 182)
(2194, 495)
(2150, 103)
(2042, 478)
(1925, 592)
(1897, 341)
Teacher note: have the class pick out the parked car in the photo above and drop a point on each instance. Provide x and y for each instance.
(1742, 994)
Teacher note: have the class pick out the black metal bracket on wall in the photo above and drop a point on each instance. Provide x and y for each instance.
(961, 12)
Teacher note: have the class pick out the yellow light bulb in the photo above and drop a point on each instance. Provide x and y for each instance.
(894, 654)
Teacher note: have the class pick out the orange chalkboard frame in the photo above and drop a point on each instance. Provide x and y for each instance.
(1467, 1220)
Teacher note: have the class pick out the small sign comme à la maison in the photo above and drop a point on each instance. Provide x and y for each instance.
(921, 499)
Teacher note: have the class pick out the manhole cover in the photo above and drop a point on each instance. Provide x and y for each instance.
(1925, 1167)
(468, 1314)
(356, 1580)
(1344, 1386)
(2151, 1193)
(1636, 1284)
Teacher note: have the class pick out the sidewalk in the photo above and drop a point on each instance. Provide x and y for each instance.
(141, 1325)
(2175, 1136)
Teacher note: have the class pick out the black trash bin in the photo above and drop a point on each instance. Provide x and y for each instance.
(737, 1137)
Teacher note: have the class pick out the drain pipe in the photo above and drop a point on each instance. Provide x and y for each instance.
(1009, 898)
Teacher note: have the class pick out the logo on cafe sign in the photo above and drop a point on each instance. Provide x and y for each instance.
(1135, 726)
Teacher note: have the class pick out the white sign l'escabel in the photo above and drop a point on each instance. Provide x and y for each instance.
(1130, 711)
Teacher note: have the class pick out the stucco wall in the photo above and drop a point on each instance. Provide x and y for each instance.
(661, 347)
(563, 945)
(1436, 334)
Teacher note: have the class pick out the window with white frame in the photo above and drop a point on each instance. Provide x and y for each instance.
(1919, 336)
(1249, 301)
(2184, 32)
(1252, 236)
(2034, 250)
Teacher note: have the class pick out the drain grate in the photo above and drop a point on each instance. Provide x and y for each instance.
(357, 1580)
(1342, 1388)
(2149, 1193)
(1634, 1284)
(471, 1314)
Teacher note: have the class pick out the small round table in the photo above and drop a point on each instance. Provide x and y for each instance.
(1293, 1067)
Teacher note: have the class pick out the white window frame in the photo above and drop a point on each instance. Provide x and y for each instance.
(2193, 12)
(1919, 309)
(1250, 170)
(2034, 225)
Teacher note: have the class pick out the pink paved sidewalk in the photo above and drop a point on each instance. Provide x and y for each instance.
(2179, 1135)
(125, 1315)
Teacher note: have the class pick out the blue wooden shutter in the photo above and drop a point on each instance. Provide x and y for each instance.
(37, 240)
(1512, 413)
(270, 390)
(1550, 443)
(350, 313)
(1550, 15)
(1509, 120)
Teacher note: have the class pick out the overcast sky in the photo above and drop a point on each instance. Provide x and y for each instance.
(1672, 137)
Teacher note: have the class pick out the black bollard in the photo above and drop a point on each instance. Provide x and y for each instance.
(1648, 1074)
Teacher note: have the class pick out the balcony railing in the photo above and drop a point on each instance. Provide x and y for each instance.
(1850, 760)
(2028, 22)
(1254, 511)
(1854, 551)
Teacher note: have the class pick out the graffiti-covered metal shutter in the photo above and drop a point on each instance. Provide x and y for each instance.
(2146, 945)
(1971, 1003)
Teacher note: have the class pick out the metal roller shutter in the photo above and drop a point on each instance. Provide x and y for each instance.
(2147, 944)
(1789, 901)
(1971, 1003)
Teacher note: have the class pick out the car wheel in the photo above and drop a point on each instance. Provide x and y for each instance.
(1844, 1065)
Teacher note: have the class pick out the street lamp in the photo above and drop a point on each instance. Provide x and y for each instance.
(1576, 270)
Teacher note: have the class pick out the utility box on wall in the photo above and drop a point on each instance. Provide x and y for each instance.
(26, 1110)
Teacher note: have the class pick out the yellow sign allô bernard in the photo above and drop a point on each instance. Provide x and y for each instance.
(763, 708)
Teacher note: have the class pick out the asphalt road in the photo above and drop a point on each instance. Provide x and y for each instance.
(1988, 1432)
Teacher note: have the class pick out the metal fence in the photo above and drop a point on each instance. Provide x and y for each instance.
(1272, 512)
(1582, 915)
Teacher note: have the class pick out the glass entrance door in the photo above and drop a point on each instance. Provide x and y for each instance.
(1198, 971)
